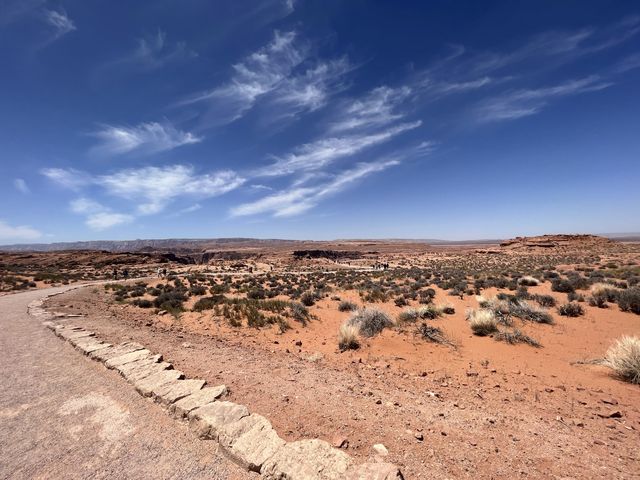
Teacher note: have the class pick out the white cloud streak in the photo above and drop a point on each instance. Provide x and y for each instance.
(525, 102)
(151, 188)
(61, 23)
(298, 200)
(323, 152)
(20, 232)
(152, 137)
(257, 75)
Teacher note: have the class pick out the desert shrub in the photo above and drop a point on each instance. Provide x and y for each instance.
(563, 286)
(426, 296)
(299, 313)
(432, 334)
(197, 290)
(346, 306)
(410, 315)
(607, 291)
(571, 309)
(483, 322)
(142, 303)
(529, 312)
(308, 299)
(575, 297)
(528, 281)
(255, 318)
(629, 300)
(598, 300)
(207, 303)
(169, 301)
(370, 321)
(448, 309)
(400, 302)
(624, 358)
(256, 294)
(348, 337)
(517, 337)
(544, 300)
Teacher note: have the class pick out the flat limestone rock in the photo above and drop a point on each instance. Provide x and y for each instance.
(306, 459)
(143, 368)
(74, 334)
(89, 344)
(127, 358)
(374, 471)
(115, 351)
(250, 441)
(207, 420)
(174, 391)
(184, 406)
(148, 386)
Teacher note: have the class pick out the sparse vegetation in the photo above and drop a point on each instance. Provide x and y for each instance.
(629, 300)
(571, 309)
(348, 337)
(517, 337)
(483, 322)
(370, 321)
(624, 358)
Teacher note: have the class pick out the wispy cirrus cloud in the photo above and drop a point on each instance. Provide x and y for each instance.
(150, 137)
(325, 151)
(60, 21)
(258, 74)
(311, 89)
(377, 108)
(151, 189)
(297, 199)
(151, 53)
(19, 232)
(524, 102)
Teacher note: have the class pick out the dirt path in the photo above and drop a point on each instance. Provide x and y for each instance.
(455, 420)
(64, 416)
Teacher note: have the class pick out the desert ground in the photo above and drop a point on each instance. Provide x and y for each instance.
(483, 361)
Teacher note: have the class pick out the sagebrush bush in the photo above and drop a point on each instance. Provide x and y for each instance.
(544, 300)
(528, 281)
(370, 321)
(562, 286)
(624, 358)
(346, 306)
(308, 299)
(483, 322)
(629, 300)
(142, 303)
(529, 312)
(348, 337)
(571, 309)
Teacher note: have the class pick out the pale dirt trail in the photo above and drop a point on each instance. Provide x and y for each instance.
(64, 416)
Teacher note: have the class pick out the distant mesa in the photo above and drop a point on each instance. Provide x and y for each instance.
(546, 242)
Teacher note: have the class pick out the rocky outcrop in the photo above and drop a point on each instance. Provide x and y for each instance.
(557, 242)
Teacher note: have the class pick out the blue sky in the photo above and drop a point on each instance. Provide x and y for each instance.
(318, 119)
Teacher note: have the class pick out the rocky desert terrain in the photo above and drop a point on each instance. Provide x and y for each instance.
(386, 343)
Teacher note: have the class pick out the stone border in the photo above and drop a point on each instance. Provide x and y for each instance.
(246, 438)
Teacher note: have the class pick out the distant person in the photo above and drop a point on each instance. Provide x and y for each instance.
(125, 274)
(115, 273)
(159, 272)
(164, 273)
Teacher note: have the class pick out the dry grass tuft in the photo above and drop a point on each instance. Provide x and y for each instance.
(624, 359)
(348, 337)
(528, 281)
(483, 322)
